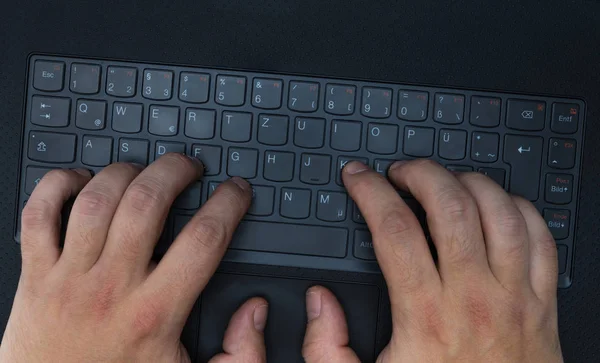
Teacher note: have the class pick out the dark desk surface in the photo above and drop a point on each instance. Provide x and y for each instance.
(517, 46)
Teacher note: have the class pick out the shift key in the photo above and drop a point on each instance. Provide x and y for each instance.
(524, 154)
(51, 147)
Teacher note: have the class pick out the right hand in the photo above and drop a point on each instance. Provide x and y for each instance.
(492, 295)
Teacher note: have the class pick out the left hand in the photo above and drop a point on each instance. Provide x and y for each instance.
(100, 298)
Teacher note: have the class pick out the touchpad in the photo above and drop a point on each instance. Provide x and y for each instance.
(287, 315)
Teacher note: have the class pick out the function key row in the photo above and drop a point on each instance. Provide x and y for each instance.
(340, 99)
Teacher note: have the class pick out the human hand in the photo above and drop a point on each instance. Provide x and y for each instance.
(492, 295)
(100, 298)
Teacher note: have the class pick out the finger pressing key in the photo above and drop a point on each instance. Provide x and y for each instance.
(398, 239)
(140, 216)
(452, 215)
(197, 251)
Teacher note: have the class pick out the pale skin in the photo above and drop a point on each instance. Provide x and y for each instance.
(490, 298)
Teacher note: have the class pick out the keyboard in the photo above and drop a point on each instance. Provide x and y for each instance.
(290, 136)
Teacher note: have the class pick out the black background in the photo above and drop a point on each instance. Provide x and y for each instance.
(549, 47)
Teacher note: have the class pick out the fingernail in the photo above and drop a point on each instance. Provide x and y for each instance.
(83, 172)
(398, 164)
(354, 167)
(241, 183)
(139, 166)
(260, 317)
(313, 304)
(196, 161)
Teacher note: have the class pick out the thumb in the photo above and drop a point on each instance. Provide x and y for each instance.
(244, 341)
(326, 338)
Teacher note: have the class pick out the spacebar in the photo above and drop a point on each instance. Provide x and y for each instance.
(290, 238)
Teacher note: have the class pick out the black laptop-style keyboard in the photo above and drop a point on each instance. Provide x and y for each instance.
(290, 136)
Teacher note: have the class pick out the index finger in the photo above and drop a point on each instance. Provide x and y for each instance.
(195, 254)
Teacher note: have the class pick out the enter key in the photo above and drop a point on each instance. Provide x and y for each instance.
(524, 154)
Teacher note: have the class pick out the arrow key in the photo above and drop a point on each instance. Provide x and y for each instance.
(561, 153)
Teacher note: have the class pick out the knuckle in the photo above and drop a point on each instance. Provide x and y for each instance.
(145, 195)
(454, 204)
(92, 201)
(148, 318)
(394, 224)
(208, 233)
(36, 213)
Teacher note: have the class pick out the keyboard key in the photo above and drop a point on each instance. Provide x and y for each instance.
(497, 175)
(97, 150)
(163, 120)
(561, 154)
(524, 154)
(342, 161)
(165, 147)
(231, 90)
(50, 111)
(484, 147)
(382, 139)
(382, 166)
(262, 201)
(48, 75)
(309, 132)
(559, 188)
(459, 168)
(200, 124)
(363, 245)
(212, 186)
(272, 129)
(190, 198)
(33, 176)
(339, 99)
(121, 81)
(194, 87)
(295, 203)
(526, 115)
(242, 162)
(279, 166)
(210, 157)
(485, 111)
(565, 117)
(300, 239)
(357, 216)
(346, 135)
(452, 144)
(158, 84)
(315, 169)
(127, 117)
(51, 147)
(331, 206)
(236, 126)
(266, 93)
(412, 105)
(85, 78)
(558, 221)
(303, 97)
(418, 141)
(376, 102)
(90, 115)
(449, 108)
(133, 151)
(562, 258)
